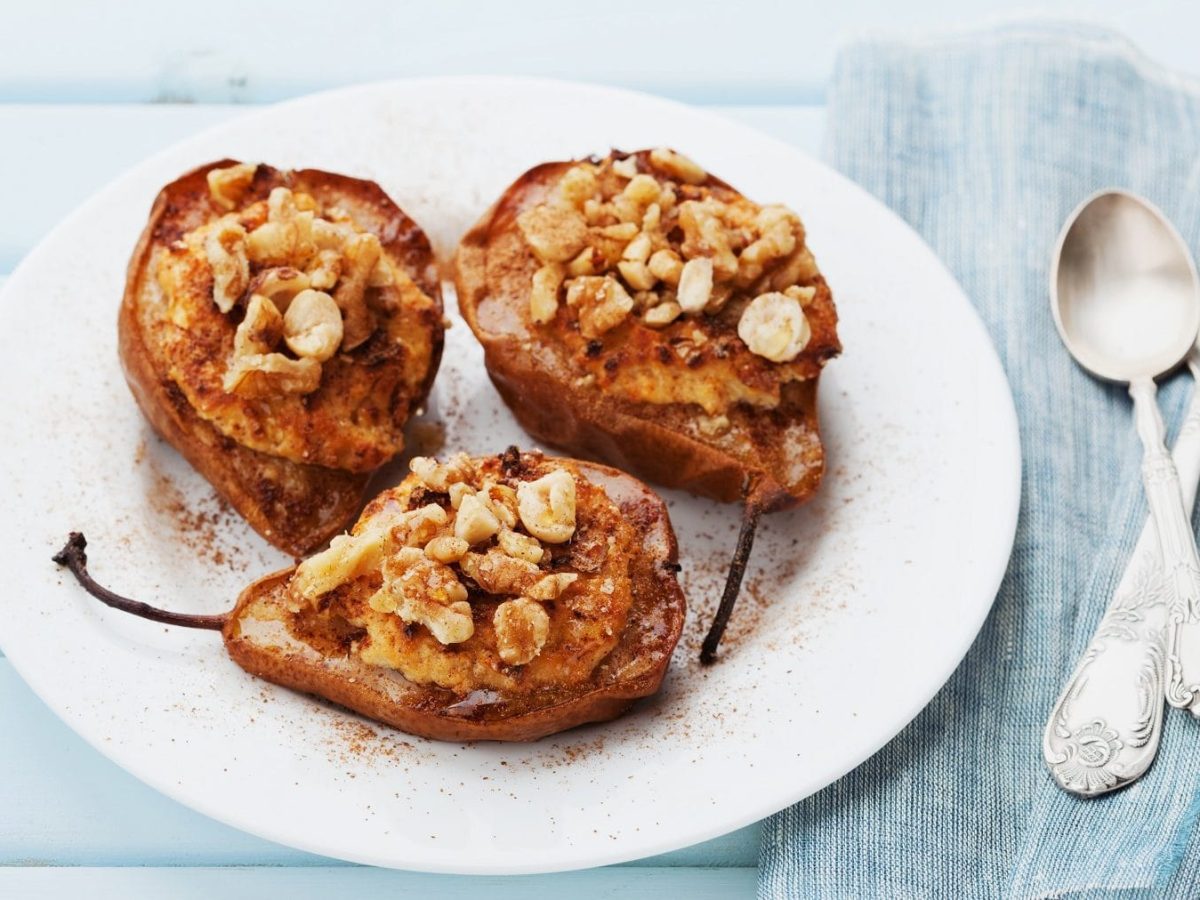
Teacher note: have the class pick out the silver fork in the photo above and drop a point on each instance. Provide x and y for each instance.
(1105, 728)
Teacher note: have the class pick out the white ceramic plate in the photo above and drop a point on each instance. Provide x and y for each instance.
(857, 608)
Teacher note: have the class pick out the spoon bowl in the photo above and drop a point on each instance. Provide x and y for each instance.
(1124, 289)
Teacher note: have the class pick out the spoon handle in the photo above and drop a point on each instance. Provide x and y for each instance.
(1181, 562)
(1104, 730)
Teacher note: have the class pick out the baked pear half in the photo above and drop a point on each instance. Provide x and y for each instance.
(638, 310)
(498, 598)
(278, 328)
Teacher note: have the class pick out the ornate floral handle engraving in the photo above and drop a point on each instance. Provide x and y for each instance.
(1180, 559)
(1105, 728)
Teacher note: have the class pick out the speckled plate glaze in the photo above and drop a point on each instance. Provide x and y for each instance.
(857, 608)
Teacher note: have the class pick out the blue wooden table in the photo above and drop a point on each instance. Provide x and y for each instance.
(87, 90)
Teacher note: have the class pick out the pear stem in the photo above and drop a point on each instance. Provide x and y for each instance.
(74, 557)
(751, 512)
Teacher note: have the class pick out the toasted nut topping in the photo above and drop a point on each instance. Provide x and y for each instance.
(261, 375)
(331, 235)
(638, 250)
(225, 248)
(521, 546)
(273, 243)
(662, 315)
(447, 549)
(666, 266)
(774, 327)
(551, 587)
(547, 506)
(382, 275)
(227, 186)
(623, 231)
(439, 476)
(677, 166)
(312, 325)
(498, 573)
(348, 556)
(583, 264)
(603, 303)
(637, 275)
(475, 522)
(522, 627)
(361, 254)
(419, 526)
(458, 490)
(554, 233)
(325, 269)
(502, 501)
(803, 294)
(280, 285)
(261, 329)
(425, 592)
(543, 297)
(626, 168)
(695, 285)
(642, 189)
(705, 235)
(577, 185)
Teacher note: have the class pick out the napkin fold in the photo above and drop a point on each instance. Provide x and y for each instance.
(984, 142)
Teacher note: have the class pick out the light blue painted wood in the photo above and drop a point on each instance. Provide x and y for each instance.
(66, 153)
(368, 884)
(710, 51)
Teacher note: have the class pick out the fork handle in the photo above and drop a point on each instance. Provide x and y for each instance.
(1180, 559)
(1104, 730)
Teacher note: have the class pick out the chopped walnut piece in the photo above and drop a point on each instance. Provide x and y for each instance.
(361, 254)
(666, 266)
(475, 523)
(626, 168)
(637, 275)
(522, 627)
(225, 249)
(427, 593)
(577, 185)
(325, 269)
(457, 491)
(521, 546)
(583, 264)
(603, 303)
(312, 325)
(227, 186)
(677, 166)
(502, 501)
(695, 285)
(261, 330)
(543, 297)
(280, 285)
(418, 527)
(704, 235)
(348, 556)
(554, 233)
(551, 587)
(498, 573)
(264, 375)
(447, 549)
(642, 189)
(439, 476)
(547, 506)
(662, 315)
(774, 326)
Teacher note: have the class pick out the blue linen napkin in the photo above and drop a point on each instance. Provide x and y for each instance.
(984, 142)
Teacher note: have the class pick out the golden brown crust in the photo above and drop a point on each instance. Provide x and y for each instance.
(776, 453)
(258, 638)
(295, 506)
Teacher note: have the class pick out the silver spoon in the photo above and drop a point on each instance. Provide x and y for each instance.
(1126, 300)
